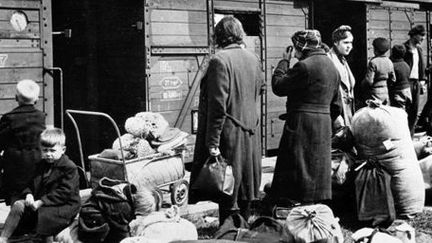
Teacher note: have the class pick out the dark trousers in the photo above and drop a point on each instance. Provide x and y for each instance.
(413, 108)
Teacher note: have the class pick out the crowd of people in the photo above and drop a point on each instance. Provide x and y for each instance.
(320, 102)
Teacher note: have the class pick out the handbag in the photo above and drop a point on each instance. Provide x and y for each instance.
(215, 180)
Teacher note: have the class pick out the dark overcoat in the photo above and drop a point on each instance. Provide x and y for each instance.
(19, 138)
(303, 167)
(59, 192)
(231, 87)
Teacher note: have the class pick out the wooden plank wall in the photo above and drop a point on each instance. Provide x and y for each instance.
(394, 24)
(178, 23)
(282, 21)
(237, 5)
(21, 56)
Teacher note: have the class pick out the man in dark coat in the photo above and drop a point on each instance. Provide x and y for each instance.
(52, 200)
(19, 140)
(229, 117)
(303, 167)
(417, 78)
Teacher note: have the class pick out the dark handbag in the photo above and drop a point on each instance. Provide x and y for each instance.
(215, 180)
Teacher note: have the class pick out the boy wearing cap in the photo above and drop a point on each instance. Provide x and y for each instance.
(400, 91)
(380, 71)
(19, 140)
(417, 78)
(303, 166)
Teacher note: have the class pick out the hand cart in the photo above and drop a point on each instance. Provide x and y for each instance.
(158, 170)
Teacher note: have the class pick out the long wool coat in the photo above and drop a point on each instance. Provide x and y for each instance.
(59, 191)
(232, 86)
(346, 87)
(19, 138)
(303, 166)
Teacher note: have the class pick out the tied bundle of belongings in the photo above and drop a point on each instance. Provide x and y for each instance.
(381, 132)
(313, 223)
(399, 231)
(263, 229)
(215, 180)
(160, 226)
(148, 133)
(105, 216)
(374, 198)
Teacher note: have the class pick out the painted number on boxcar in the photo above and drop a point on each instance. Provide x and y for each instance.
(3, 59)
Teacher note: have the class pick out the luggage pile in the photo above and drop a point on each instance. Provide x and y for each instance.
(381, 134)
(148, 133)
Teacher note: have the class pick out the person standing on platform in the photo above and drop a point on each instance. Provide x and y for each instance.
(400, 91)
(342, 46)
(380, 72)
(417, 77)
(303, 167)
(19, 141)
(228, 116)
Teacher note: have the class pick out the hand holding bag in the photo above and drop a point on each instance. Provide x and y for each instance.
(215, 180)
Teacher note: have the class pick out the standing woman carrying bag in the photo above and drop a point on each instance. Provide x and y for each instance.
(229, 118)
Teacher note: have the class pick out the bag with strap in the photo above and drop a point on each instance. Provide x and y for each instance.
(105, 216)
(374, 199)
(263, 229)
(215, 180)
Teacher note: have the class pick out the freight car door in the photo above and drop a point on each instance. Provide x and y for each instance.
(23, 28)
(177, 48)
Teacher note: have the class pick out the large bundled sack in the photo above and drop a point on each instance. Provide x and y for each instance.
(381, 132)
(313, 223)
(162, 227)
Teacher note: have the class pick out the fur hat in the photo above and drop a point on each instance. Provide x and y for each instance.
(307, 40)
(381, 45)
(417, 30)
(27, 91)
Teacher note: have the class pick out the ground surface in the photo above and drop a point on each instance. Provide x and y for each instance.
(204, 214)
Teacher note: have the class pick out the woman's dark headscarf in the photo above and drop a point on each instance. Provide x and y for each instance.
(228, 31)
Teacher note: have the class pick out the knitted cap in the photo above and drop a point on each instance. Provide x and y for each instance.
(306, 40)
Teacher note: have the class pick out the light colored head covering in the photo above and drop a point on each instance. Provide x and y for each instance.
(27, 91)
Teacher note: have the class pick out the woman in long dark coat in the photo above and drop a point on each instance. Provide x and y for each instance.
(303, 167)
(229, 117)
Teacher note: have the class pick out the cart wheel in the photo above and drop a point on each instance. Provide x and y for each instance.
(179, 192)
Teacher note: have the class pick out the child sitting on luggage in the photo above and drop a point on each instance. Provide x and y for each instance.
(52, 200)
(379, 72)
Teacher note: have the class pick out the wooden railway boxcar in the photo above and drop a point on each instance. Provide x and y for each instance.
(26, 51)
(135, 55)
